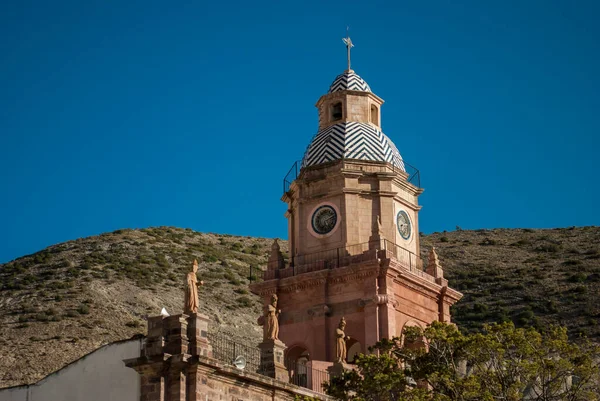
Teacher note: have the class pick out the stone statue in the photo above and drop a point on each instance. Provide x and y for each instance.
(341, 338)
(191, 290)
(271, 325)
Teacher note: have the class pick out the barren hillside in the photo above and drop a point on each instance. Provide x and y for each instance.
(67, 300)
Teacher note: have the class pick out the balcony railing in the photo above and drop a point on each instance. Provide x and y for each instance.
(226, 350)
(349, 255)
(414, 176)
(302, 374)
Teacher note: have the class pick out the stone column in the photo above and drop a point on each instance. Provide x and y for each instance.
(271, 360)
(197, 333)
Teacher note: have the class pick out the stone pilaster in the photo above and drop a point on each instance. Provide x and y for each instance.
(176, 384)
(371, 321)
(155, 340)
(197, 333)
(175, 328)
(152, 386)
(271, 360)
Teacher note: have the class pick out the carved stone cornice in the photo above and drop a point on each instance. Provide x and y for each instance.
(354, 276)
(264, 288)
(424, 290)
(451, 296)
(302, 281)
(302, 285)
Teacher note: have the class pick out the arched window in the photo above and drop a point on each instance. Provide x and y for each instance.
(374, 115)
(336, 111)
(296, 359)
(354, 348)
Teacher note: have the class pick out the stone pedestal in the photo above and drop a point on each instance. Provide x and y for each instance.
(271, 360)
(175, 331)
(337, 369)
(198, 335)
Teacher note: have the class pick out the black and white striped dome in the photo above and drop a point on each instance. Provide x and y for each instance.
(349, 80)
(351, 140)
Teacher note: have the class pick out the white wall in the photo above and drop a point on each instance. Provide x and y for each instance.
(98, 376)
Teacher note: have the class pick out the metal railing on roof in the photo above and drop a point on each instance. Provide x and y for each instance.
(414, 176)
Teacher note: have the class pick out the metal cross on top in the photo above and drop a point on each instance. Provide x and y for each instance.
(349, 45)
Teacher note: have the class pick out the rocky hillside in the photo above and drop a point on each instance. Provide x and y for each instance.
(532, 277)
(69, 299)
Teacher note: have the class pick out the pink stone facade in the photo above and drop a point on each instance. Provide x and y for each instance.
(176, 364)
(367, 268)
(364, 266)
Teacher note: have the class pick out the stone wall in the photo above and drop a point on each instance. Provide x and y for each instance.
(220, 382)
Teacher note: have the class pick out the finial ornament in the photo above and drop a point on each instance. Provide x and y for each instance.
(433, 258)
(434, 268)
(349, 45)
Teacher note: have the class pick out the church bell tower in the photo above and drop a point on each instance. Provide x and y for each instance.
(353, 233)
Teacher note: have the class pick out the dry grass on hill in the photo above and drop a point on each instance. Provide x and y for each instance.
(69, 299)
(533, 277)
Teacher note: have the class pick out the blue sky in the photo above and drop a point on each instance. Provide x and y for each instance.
(145, 113)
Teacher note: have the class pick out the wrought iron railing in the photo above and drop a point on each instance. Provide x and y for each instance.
(413, 174)
(304, 375)
(291, 175)
(226, 350)
(347, 255)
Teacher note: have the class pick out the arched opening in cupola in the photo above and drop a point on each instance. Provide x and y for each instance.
(336, 111)
(374, 115)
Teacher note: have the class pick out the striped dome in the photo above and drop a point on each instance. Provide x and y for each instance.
(349, 80)
(351, 140)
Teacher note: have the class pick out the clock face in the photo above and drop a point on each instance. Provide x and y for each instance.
(324, 219)
(403, 223)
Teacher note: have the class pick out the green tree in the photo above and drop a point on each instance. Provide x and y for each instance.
(378, 377)
(439, 363)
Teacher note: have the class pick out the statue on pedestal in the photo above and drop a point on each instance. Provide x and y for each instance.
(341, 338)
(191, 290)
(271, 325)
